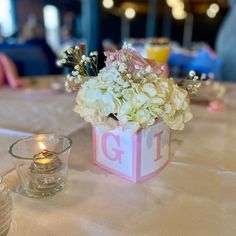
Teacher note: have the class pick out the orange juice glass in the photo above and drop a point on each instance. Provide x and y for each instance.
(158, 49)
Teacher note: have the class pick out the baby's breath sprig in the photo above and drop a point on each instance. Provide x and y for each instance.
(82, 66)
(75, 57)
(73, 83)
(193, 83)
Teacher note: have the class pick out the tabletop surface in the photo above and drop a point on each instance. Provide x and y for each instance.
(194, 195)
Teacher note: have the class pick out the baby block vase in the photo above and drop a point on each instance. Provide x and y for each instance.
(133, 156)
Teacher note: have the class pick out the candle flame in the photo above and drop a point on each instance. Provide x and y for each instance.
(42, 146)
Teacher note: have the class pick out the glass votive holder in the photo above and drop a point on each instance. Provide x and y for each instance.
(42, 163)
(5, 208)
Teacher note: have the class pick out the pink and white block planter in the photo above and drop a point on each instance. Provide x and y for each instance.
(135, 157)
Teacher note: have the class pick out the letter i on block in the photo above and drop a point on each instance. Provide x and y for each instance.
(135, 157)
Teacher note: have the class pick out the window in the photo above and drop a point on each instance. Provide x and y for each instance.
(52, 25)
(7, 26)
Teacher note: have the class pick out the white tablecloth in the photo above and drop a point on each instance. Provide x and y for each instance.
(195, 195)
(35, 109)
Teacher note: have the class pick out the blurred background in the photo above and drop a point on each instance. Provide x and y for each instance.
(195, 34)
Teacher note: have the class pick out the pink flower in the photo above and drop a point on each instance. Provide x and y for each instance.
(216, 106)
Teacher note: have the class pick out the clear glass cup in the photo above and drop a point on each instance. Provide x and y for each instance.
(6, 206)
(42, 163)
(158, 49)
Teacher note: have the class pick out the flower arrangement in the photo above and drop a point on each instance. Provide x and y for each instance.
(129, 90)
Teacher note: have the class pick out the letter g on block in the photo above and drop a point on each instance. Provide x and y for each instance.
(118, 153)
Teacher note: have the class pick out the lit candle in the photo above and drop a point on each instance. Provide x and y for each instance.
(45, 157)
(46, 170)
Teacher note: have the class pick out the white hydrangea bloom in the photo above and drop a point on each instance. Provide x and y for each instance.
(135, 107)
